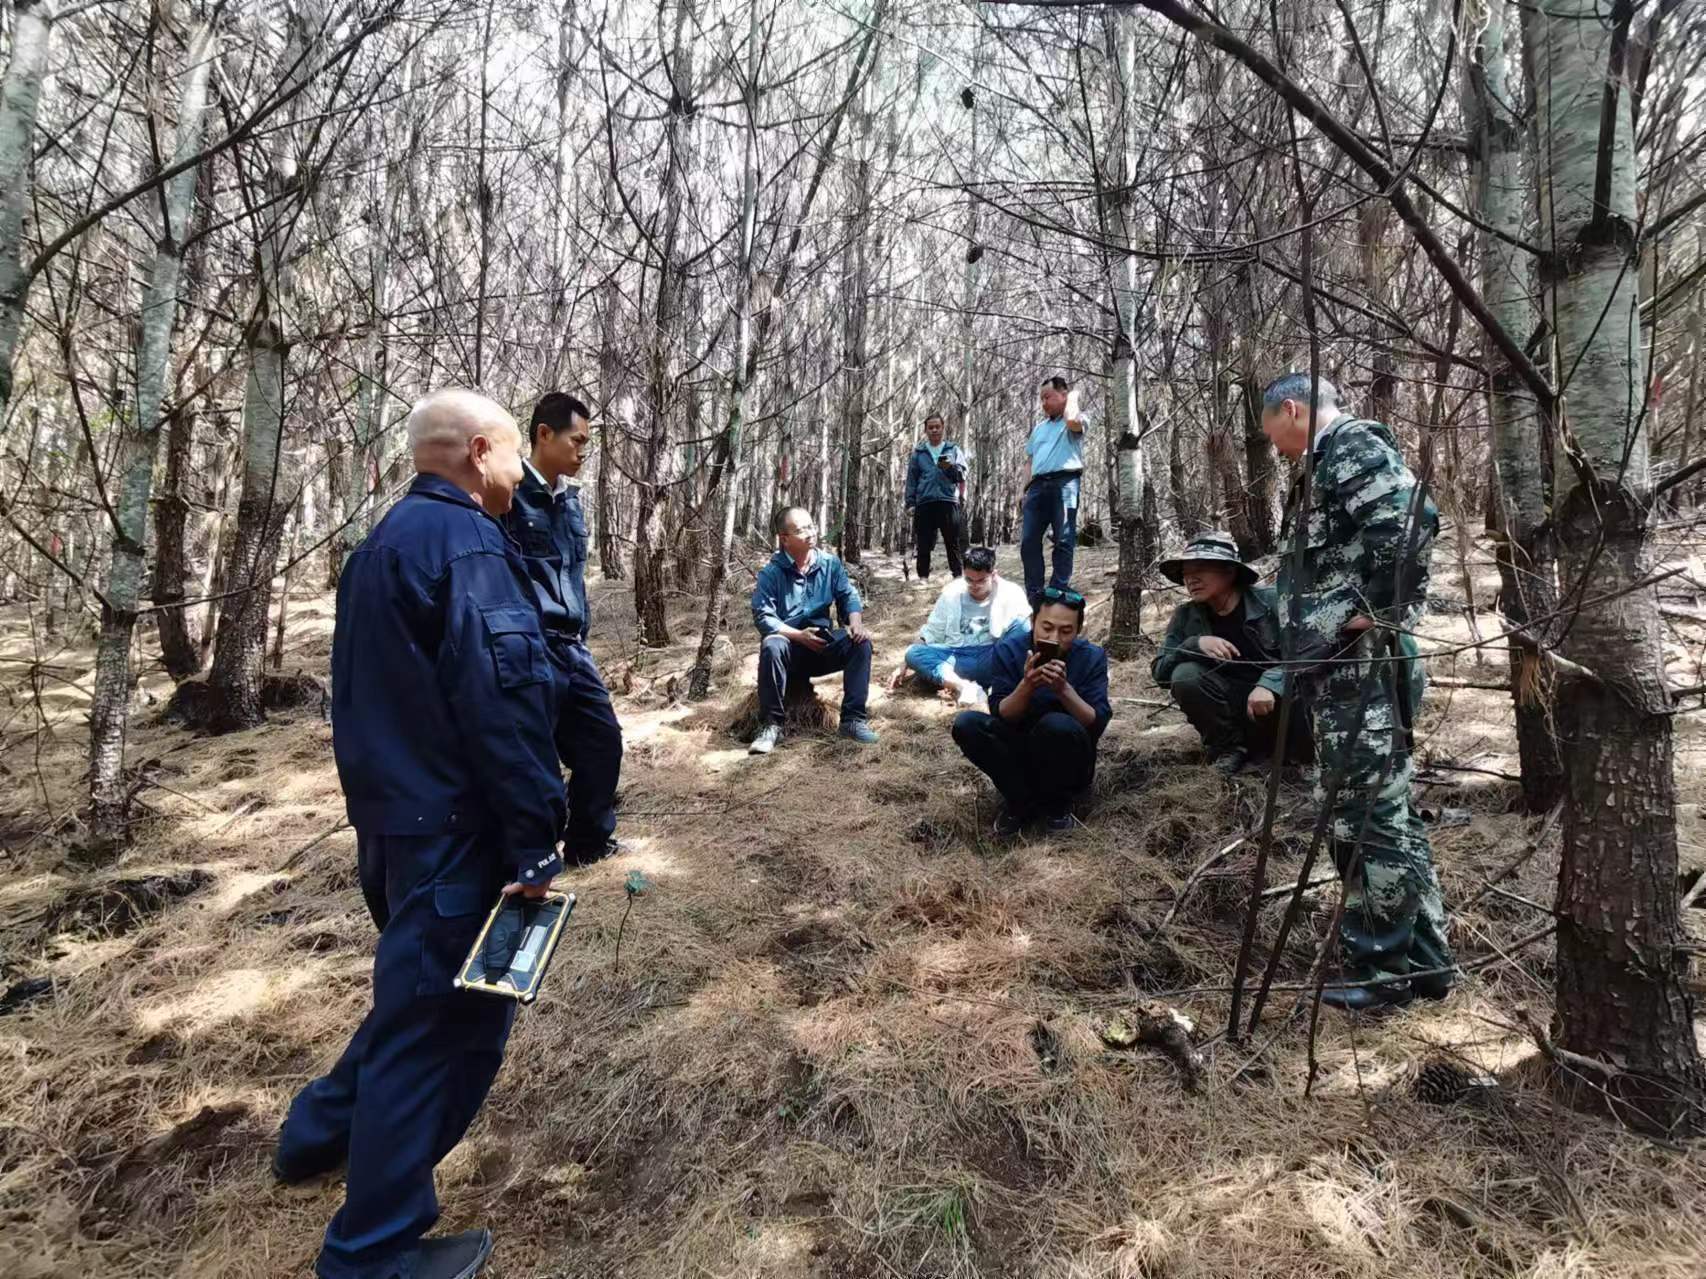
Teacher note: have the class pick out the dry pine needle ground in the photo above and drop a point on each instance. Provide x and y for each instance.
(847, 1037)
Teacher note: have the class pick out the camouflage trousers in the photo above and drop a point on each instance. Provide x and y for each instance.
(1394, 921)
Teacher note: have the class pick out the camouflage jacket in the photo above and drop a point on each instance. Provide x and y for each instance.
(1363, 555)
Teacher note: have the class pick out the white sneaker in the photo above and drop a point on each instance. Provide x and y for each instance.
(973, 694)
(766, 740)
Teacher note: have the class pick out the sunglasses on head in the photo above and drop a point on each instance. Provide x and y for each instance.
(1060, 595)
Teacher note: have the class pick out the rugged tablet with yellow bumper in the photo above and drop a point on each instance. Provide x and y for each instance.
(514, 948)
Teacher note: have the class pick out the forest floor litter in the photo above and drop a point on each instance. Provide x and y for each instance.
(849, 1036)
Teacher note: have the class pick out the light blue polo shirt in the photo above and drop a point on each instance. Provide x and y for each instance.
(1054, 448)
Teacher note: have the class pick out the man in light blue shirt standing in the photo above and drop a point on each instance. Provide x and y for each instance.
(1056, 448)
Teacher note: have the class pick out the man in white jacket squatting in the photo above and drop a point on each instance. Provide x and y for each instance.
(972, 612)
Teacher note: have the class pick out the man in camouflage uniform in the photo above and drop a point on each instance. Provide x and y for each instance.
(1358, 594)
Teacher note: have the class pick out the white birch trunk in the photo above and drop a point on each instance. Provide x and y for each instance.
(20, 99)
(1622, 998)
(109, 710)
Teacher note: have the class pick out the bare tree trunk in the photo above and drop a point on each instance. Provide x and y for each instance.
(651, 544)
(699, 678)
(1622, 999)
(178, 647)
(20, 99)
(109, 706)
(283, 623)
(1527, 564)
(1126, 628)
(235, 679)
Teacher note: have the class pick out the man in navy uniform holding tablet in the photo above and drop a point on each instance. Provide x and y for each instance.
(443, 709)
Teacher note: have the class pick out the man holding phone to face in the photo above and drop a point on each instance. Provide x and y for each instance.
(791, 607)
(1056, 449)
(1048, 707)
(935, 480)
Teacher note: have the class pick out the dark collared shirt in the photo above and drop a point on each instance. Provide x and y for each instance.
(550, 528)
(784, 596)
(1086, 672)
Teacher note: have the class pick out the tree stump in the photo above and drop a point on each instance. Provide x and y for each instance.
(803, 712)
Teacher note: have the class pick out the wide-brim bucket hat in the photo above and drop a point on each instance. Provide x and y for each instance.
(1217, 548)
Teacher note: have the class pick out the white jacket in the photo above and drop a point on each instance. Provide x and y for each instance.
(945, 628)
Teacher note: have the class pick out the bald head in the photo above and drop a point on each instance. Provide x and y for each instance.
(470, 440)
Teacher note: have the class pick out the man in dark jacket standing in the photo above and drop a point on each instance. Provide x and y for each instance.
(935, 480)
(547, 523)
(442, 717)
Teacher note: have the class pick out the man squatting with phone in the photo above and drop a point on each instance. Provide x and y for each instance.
(442, 714)
(1048, 704)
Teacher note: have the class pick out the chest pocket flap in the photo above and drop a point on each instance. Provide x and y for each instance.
(518, 648)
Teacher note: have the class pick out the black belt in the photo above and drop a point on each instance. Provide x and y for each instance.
(1055, 475)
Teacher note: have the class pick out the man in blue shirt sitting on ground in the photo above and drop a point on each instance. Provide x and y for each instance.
(547, 522)
(791, 606)
(1048, 696)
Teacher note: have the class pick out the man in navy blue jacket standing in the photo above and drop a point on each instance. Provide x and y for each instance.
(442, 719)
(935, 476)
(1048, 709)
(547, 522)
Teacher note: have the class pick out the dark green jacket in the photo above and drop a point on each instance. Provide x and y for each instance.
(1191, 622)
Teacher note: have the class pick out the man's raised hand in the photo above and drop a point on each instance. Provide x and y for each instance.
(1219, 649)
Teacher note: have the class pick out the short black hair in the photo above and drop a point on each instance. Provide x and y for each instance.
(935, 417)
(782, 517)
(980, 559)
(557, 410)
(1040, 603)
(1056, 383)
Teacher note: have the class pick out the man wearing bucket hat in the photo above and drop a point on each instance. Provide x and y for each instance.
(1221, 644)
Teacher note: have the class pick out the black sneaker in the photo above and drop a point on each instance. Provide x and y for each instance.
(1061, 824)
(592, 856)
(1231, 763)
(1368, 999)
(289, 1172)
(453, 1256)
(1007, 824)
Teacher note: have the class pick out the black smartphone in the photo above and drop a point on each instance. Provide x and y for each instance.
(513, 950)
(1046, 650)
(823, 633)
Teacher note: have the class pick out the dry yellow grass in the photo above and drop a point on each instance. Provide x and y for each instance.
(847, 1038)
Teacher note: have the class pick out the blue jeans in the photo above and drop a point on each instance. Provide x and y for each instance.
(971, 662)
(1051, 502)
(781, 659)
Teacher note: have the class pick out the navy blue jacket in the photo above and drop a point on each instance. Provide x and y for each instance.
(442, 701)
(783, 596)
(1086, 671)
(927, 482)
(551, 531)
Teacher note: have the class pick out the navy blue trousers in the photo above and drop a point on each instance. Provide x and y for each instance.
(780, 660)
(1038, 766)
(419, 1066)
(589, 742)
